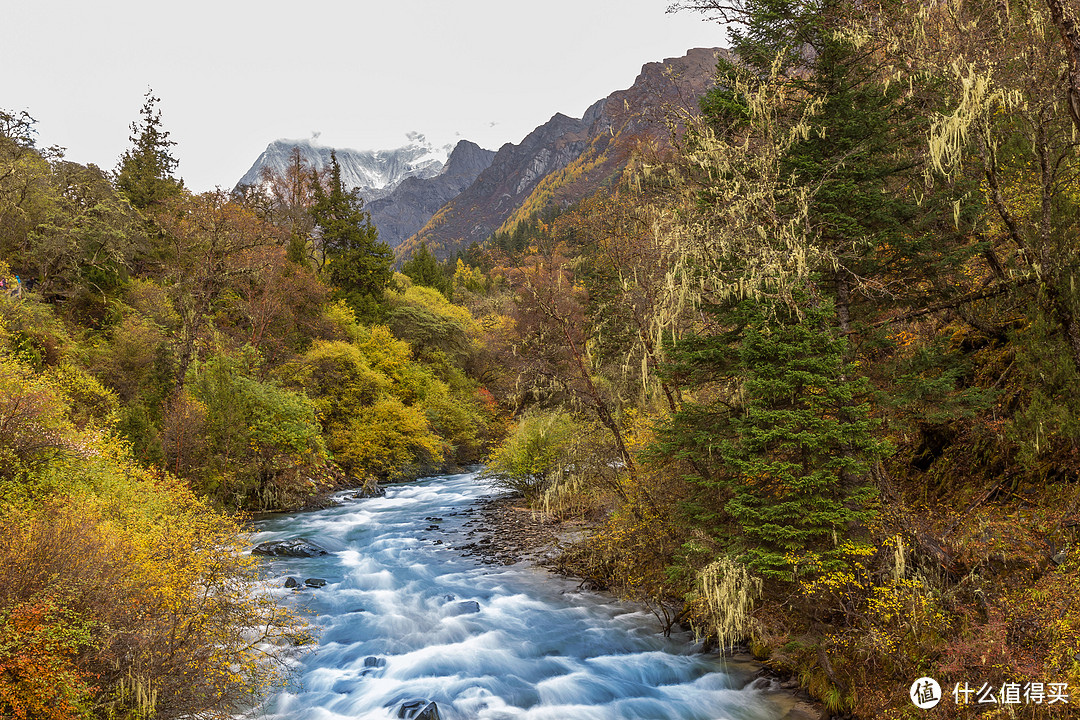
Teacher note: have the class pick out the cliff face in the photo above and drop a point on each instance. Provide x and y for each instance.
(566, 159)
(412, 203)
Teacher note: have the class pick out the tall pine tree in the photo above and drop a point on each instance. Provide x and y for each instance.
(780, 436)
(145, 172)
(356, 263)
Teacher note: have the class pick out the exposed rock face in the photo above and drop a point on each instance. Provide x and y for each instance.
(662, 87)
(412, 203)
(566, 159)
(297, 547)
(465, 163)
(501, 188)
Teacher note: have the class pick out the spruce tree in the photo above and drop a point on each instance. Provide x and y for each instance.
(780, 437)
(357, 264)
(145, 172)
(803, 445)
(862, 155)
(423, 268)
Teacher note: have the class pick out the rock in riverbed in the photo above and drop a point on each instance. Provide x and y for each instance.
(504, 531)
(419, 710)
(297, 547)
(465, 607)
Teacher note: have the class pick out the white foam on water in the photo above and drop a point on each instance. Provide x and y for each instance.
(403, 618)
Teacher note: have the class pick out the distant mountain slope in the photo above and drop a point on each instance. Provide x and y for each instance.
(627, 118)
(412, 203)
(374, 172)
(565, 159)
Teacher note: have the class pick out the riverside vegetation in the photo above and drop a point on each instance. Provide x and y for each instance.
(811, 369)
(168, 360)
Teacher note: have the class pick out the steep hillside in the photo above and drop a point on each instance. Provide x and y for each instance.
(565, 158)
(412, 203)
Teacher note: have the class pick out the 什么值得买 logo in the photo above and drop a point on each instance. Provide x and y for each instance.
(925, 693)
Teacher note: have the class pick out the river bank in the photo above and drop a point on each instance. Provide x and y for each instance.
(503, 530)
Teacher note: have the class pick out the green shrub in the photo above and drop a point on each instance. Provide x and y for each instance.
(534, 454)
(254, 444)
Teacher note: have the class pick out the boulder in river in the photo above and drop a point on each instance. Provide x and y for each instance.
(297, 547)
(291, 582)
(419, 710)
(315, 582)
(465, 607)
(371, 490)
(372, 664)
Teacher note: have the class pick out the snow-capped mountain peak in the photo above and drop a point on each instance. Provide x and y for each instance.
(374, 172)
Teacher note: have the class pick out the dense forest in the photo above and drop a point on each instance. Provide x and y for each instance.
(810, 371)
(168, 361)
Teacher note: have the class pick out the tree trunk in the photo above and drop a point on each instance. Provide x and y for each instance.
(1070, 37)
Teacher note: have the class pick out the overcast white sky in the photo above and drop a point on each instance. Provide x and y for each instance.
(234, 75)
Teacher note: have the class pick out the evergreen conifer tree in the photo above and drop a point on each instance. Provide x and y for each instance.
(863, 154)
(780, 437)
(357, 264)
(145, 172)
(779, 434)
(423, 268)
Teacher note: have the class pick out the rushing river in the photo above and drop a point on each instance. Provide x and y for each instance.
(403, 618)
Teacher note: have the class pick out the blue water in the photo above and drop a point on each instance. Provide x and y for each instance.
(397, 623)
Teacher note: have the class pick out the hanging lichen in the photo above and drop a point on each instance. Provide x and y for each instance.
(728, 591)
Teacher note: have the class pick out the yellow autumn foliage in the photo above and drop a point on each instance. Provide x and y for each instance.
(125, 595)
(384, 413)
(388, 439)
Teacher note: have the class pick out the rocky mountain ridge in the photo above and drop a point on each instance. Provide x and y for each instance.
(566, 159)
(411, 204)
(414, 197)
